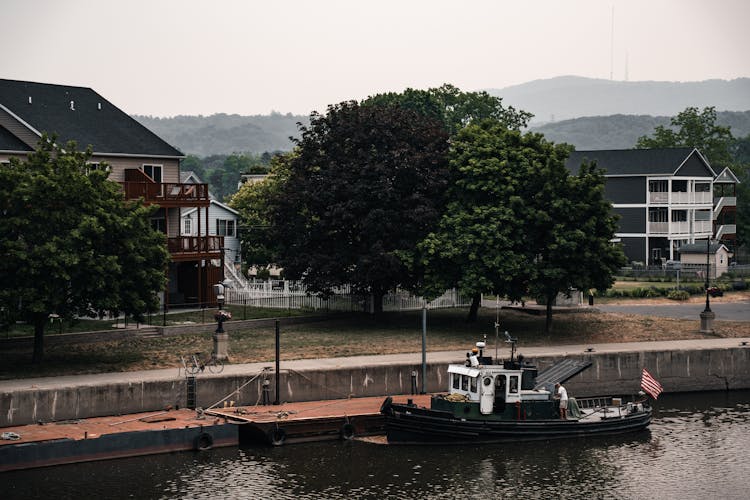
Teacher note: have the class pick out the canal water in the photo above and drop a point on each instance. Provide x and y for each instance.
(698, 446)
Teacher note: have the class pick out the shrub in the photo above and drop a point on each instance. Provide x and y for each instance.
(678, 295)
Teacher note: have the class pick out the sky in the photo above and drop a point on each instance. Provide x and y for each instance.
(200, 57)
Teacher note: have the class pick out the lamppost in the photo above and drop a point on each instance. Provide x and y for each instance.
(220, 337)
(707, 316)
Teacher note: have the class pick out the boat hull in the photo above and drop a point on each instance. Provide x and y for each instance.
(406, 424)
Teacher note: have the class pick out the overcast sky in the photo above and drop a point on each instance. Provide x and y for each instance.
(172, 57)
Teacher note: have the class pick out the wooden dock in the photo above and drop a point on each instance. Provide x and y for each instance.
(311, 420)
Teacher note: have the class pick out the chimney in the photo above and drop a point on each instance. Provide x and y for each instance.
(72, 105)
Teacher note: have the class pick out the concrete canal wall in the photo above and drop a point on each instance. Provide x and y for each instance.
(611, 373)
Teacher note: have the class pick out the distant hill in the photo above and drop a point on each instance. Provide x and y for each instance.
(569, 97)
(616, 114)
(226, 134)
(622, 131)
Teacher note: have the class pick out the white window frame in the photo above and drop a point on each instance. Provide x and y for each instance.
(153, 168)
(223, 227)
(187, 226)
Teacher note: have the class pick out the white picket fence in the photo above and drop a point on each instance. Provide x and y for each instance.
(293, 295)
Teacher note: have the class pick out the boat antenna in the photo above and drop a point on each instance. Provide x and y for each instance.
(512, 341)
(497, 323)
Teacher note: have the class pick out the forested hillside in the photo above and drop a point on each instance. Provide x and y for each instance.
(622, 131)
(225, 134)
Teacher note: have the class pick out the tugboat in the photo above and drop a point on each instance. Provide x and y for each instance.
(496, 403)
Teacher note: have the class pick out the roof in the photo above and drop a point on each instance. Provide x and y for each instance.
(622, 162)
(82, 115)
(701, 248)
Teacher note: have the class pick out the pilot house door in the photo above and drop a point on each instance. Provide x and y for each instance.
(488, 395)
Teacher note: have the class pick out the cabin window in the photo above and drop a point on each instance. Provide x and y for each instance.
(513, 386)
(472, 384)
(187, 227)
(225, 227)
(153, 171)
(500, 385)
(464, 383)
(456, 381)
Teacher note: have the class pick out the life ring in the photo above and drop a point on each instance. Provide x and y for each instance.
(277, 436)
(347, 431)
(385, 408)
(203, 442)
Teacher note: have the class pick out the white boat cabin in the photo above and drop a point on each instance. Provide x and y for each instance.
(491, 385)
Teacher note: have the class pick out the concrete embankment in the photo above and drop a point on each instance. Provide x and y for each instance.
(681, 366)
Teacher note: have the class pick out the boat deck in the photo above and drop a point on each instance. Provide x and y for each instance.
(91, 428)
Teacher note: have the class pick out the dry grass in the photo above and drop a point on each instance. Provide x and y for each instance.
(350, 335)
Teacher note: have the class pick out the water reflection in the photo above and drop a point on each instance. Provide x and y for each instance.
(696, 447)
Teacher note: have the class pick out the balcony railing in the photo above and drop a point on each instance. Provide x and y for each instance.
(204, 246)
(680, 228)
(167, 193)
(681, 197)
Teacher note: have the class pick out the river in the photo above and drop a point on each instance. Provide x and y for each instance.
(698, 446)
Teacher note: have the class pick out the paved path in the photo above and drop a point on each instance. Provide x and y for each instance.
(251, 369)
(725, 311)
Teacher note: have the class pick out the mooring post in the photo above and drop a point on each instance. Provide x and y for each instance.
(424, 347)
(278, 374)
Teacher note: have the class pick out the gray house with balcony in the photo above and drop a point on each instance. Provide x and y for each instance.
(665, 198)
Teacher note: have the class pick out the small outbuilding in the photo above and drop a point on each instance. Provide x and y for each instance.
(693, 255)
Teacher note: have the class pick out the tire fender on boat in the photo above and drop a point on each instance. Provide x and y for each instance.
(385, 408)
(347, 431)
(203, 442)
(277, 436)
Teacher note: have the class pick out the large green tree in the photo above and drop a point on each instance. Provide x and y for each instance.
(694, 129)
(71, 245)
(516, 220)
(364, 185)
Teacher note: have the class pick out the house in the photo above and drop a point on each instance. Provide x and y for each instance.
(145, 166)
(695, 255)
(665, 198)
(222, 221)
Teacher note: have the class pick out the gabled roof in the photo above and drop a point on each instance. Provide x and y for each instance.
(628, 162)
(82, 115)
(9, 142)
(727, 176)
(701, 248)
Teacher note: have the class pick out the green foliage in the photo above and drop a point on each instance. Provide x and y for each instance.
(71, 245)
(517, 221)
(694, 129)
(453, 107)
(223, 172)
(364, 185)
(678, 295)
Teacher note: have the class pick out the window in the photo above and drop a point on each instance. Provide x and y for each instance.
(679, 186)
(679, 216)
(657, 215)
(657, 186)
(159, 224)
(472, 384)
(464, 383)
(153, 171)
(187, 226)
(513, 384)
(456, 381)
(225, 227)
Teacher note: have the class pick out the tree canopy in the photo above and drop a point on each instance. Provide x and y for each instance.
(364, 185)
(694, 129)
(517, 221)
(71, 245)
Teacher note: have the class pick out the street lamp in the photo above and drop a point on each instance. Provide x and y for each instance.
(707, 316)
(221, 338)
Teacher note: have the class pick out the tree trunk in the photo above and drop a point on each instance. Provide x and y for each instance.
(548, 322)
(39, 322)
(474, 309)
(377, 303)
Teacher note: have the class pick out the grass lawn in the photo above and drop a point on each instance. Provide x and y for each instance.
(351, 335)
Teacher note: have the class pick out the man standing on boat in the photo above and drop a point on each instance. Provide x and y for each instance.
(562, 394)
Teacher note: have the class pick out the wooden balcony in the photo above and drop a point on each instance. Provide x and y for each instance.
(165, 194)
(195, 247)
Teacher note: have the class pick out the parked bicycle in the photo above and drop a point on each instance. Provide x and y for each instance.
(194, 364)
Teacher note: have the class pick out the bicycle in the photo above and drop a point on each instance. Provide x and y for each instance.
(194, 364)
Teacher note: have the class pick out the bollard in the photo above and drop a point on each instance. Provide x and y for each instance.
(266, 392)
(414, 382)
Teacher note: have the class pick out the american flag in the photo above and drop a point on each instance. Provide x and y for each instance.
(651, 385)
